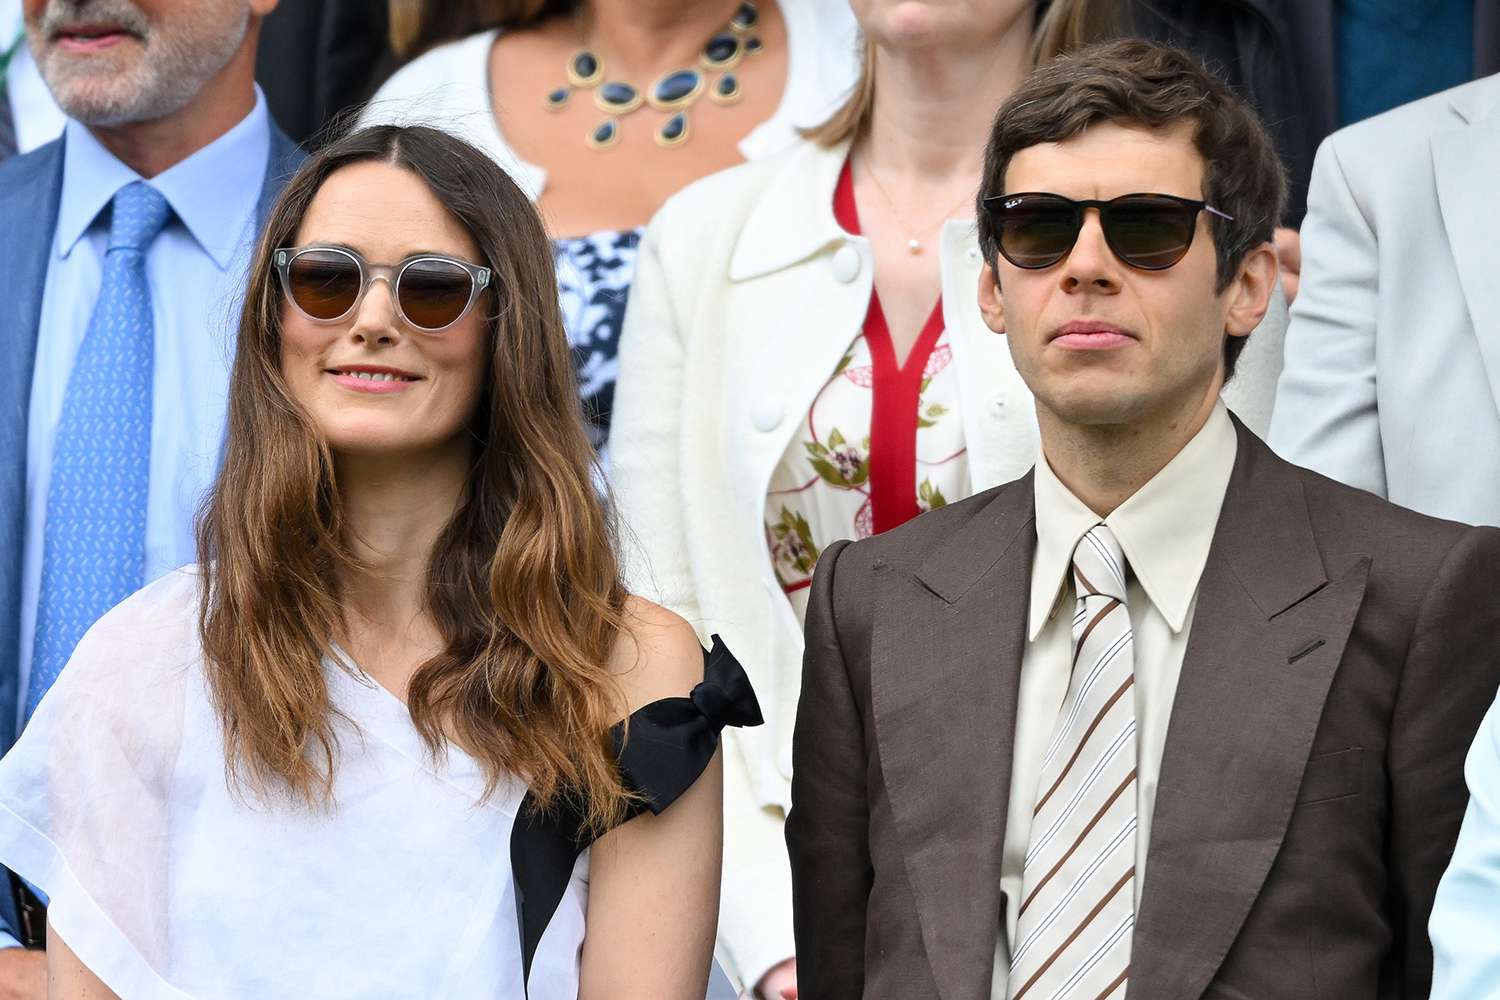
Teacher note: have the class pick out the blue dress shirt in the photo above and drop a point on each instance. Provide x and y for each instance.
(196, 269)
(1466, 916)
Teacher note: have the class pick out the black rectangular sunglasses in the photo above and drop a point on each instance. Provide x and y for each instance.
(1149, 231)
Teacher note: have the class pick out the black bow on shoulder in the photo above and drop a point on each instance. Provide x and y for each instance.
(725, 697)
(665, 748)
(668, 743)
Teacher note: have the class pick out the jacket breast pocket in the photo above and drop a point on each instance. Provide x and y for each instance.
(1331, 776)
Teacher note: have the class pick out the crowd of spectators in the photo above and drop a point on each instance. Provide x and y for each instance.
(501, 353)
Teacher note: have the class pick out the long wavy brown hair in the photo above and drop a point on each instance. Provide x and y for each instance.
(523, 584)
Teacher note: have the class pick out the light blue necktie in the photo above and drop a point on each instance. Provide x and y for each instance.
(94, 549)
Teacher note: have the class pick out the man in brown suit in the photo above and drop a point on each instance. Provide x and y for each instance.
(1168, 718)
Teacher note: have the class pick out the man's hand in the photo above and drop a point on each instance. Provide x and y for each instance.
(1289, 259)
(780, 983)
(23, 974)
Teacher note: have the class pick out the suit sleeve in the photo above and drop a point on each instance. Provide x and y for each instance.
(1325, 416)
(1450, 677)
(827, 830)
(1465, 924)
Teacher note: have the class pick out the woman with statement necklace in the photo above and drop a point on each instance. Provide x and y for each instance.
(804, 361)
(602, 109)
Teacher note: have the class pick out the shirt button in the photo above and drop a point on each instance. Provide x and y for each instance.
(973, 253)
(845, 264)
(766, 413)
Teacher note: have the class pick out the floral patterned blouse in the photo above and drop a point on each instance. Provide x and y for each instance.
(881, 443)
(593, 280)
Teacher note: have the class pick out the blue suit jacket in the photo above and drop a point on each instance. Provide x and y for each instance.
(30, 189)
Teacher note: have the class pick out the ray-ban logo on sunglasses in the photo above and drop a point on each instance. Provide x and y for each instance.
(1012, 202)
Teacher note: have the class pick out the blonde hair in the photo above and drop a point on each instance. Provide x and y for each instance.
(1064, 26)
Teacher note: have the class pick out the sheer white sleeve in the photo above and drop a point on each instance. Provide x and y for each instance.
(84, 794)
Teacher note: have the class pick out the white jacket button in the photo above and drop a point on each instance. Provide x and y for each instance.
(766, 413)
(845, 263)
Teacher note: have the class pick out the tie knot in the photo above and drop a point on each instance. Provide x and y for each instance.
(140, 214)
(1099, 565)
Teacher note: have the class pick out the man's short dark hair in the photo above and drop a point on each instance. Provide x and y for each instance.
(1138, 83)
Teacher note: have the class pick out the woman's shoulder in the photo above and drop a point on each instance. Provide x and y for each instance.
(162, 613)
(832, 26)
(699, 228)
(732, 193)
(150, 635)
(657, 656)
(827, 53)
(447, 79)
(127, 682)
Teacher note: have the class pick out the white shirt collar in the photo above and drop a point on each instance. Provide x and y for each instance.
(1165, 528)
(213, 192)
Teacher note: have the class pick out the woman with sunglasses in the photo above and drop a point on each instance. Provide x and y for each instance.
(804, 361)
(401, 732)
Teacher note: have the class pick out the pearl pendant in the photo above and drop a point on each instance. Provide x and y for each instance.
(914, 246)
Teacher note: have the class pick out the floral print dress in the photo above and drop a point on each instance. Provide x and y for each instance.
(593, 279)
(880, 444)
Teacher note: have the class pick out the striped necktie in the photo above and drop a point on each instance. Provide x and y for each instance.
(1078, 894)
(94, 541)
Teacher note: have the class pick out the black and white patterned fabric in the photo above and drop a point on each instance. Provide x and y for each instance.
(593, 278)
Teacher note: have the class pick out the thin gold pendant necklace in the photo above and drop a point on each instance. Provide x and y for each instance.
(913, 244)
(674, 93)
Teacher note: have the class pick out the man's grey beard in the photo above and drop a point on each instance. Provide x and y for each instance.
(181, 54)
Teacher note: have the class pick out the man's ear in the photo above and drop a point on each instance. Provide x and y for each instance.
(1249, 295)
(991, 303)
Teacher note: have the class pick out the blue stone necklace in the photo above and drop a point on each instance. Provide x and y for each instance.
(674, 93)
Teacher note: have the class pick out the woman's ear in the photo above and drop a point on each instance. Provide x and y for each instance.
(991, 303)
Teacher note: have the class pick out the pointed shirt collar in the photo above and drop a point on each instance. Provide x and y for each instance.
(1165, 528)
(213, 192)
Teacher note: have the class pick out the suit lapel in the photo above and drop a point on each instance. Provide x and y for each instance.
(945, 663)
(30, 188)
(1268, 633)
(1464, 161)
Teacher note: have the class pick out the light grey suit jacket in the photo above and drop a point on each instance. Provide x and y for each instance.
(1392, 368)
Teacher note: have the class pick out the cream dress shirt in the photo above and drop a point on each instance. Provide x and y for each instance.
(1165, 531)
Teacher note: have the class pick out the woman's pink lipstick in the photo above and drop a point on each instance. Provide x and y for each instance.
(373, 378)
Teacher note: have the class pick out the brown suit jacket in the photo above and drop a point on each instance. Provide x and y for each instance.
(1343, 652)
